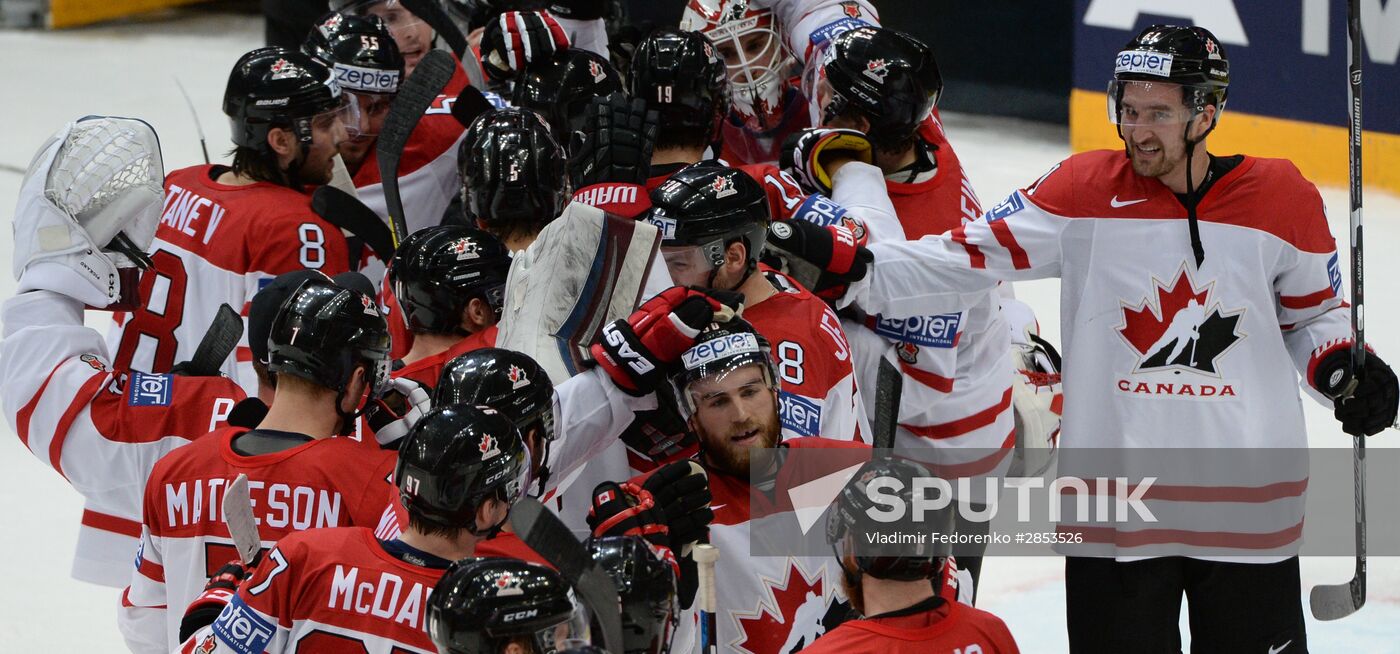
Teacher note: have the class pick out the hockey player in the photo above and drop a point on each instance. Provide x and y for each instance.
(367, 65)
(1161, 223)
(560, 89)
(225, 230)
(646, 587)
(458, 471)
(102, 430)
(329, 353)
(715, 222)
(449, 282)
(513, 176)
(889, 584)
(504, 606)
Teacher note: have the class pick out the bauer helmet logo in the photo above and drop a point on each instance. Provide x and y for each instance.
(877, 69)
(489, 447)
(517, 378)
(507, 584)
(724, 186)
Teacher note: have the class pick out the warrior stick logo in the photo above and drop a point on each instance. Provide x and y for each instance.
(1180, 327)
(877, 69)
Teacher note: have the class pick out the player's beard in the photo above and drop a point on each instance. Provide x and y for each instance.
(851, 585)
(721, 453)
(1162, 163)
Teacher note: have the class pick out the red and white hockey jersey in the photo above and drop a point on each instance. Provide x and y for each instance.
(1160, 353)
(331, 482)
(934, 204)
(101, 430)
(219, 244)
(951, 628)
(326, 591)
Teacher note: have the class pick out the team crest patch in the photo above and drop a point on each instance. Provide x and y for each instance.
(368, 304)
(209, 644)
(1179, 326)
(724, 186)
(93, 362)
(596, 70)
(507, 584)
(877, 69)
(331, 24)
(489, 446)
(149, 390)
(282, 69)
(517, 378)
(851, 9)
(465, 248)
(908, 352)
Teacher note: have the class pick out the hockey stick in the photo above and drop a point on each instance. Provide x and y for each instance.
(889, 386)
(346, 212)
(1334, 601)
(238, 517)
(198, 129)
(414, 97)
(219, 342)
(705, 556)
(544, 533)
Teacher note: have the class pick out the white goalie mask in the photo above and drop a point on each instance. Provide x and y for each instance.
(755, 56)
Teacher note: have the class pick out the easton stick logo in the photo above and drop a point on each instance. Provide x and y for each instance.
(1181, 327)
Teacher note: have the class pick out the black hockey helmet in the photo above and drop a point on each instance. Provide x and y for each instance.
(1189, 56)
(480, 604)
(682, 77)
(849, 523)
(888, 76)
(323, 331)
(437, 271)
(510, 382)
(710, 205)
(719, 350)
(646, 585)
(560, 88)
(454, 459)
(513, 172)
(276, 87)
(359, 50)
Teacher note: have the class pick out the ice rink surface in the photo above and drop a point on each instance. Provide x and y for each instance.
(129, 70)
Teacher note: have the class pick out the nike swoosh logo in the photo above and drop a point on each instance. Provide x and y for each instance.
(715, 507)
(1116, 204)
(1276, 650)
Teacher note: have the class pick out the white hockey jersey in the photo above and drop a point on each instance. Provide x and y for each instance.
(1160, 353)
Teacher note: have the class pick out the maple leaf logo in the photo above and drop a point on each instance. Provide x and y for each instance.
(788, 619)
(1178, 329)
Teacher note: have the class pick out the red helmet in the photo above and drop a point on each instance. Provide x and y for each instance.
(758, 61)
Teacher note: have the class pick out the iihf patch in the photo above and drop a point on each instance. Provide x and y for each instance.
(242, 629)
(800, 414)
(1006, 208)
(819, 209)
(148, 390)
(1334, 274)
(828, 32)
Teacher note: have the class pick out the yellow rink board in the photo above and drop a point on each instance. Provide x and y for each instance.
(1320, 151)
(75, 13)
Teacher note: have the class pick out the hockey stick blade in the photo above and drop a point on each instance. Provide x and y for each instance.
(544, 533)
(429, 78)
(1337, 601)
(238, 516)
(217, 344)
(889, 386)
(346, 212)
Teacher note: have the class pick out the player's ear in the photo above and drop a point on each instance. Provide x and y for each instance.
(477, 315)
(736, 257)
(282, 141)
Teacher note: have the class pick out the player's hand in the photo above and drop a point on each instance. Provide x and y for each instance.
(834, 257)
(578, 9)
(627, 509)
(616, 143)
(682, 491)
(1368, 407)
(811, 155)
(217, 594)
(636, 352)
(392, 414)
(515, 38)
(660, 435)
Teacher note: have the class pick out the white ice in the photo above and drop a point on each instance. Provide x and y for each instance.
(129, 70)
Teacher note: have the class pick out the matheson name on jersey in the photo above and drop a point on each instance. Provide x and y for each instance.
(277, 505)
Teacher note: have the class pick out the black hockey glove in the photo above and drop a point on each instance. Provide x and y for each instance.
(682, 491)
(832, 255)
(1370, 407)
(627, 509)
(217, 594)
(615, 144)
(578, 9)
(469, 105)
(515, 38)
(807, 152)
(660, 435)
(636, 352)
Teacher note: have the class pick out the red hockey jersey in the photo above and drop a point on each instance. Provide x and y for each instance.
(219, 244)
(939, 203)
(325, 591)
(952, 628)
(332, 482)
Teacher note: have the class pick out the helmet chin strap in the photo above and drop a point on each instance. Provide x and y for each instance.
(1193, 224)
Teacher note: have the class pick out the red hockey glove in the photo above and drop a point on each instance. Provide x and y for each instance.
(217, 594)
(627, 509)
(636, 352)
(517, 38)
(833, 256)
(806, 154)
(1368, 407)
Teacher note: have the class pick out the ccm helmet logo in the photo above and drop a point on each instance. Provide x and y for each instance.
(1150, 63)
(520, 615)
(635, 361)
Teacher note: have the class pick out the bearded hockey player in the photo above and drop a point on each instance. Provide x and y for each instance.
(101, 430)
(226, 229)
(1275, 312)
(495, 606)
(889, 585)
(329, 353)
(458, 471)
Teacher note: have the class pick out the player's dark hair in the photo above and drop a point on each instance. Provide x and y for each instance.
(883, 143)
(692, 138)
(260, 166)
(422, 525)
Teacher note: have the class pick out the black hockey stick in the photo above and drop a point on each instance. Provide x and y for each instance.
(346, 212)
(414, 97)
(432, 13)
(544, 533)
(889, 386)
(198, 129)
(1331, 602)
(214, 348)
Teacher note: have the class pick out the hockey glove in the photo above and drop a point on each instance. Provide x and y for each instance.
(578, 9)
(615, 144)
(397, 410)
(517, 38)
(807, 153)
(627, 509)
(636, 352)
(217, 594)
(1366, 404)
(834, 259)
(660, 435)
(682, 491)
(471, 103)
